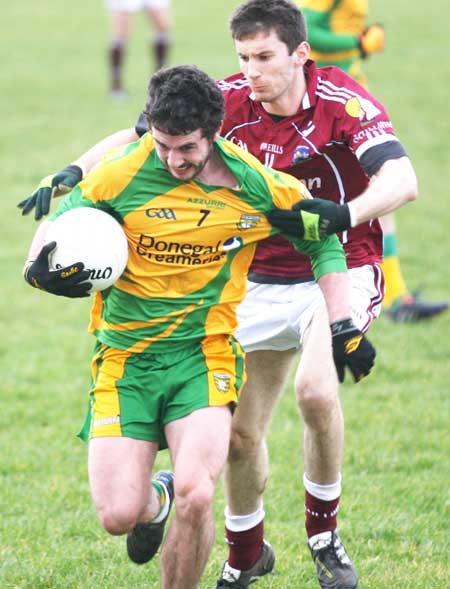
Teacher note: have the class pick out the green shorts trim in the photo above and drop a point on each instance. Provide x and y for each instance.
(136, 395)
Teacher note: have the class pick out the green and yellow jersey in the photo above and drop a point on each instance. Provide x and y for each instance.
(333, 30)
(190, 244)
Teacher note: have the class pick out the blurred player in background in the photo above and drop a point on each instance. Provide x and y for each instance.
(121, 13)
(167, 369)
(338, 35)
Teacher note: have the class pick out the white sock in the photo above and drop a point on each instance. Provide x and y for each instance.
(241, 523)
(323, 492)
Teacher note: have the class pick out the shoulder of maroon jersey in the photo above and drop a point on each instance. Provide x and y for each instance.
(336, 91)
(234, 87)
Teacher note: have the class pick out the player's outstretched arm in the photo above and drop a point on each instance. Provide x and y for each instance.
(62, 182)
(351, 348)
(70, 281)
(392, 186)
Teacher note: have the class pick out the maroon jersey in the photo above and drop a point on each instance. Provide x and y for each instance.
(337, 122)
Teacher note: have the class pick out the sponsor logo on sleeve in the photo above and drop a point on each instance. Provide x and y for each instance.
(362, 109)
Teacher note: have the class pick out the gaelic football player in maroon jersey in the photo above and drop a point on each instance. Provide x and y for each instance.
(322, 127)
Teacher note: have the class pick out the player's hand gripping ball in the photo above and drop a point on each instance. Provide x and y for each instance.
(93, 237)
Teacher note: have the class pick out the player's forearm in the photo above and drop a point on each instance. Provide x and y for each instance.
(327, 256)
(394, 185)
(336, 291)
(88, 160)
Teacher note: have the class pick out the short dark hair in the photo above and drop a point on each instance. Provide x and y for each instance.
(182, 99)
(282, 16)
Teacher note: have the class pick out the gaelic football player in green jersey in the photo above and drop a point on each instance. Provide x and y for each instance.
(167, 370)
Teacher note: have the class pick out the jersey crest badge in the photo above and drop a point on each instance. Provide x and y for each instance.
(222, 382)
(248, 221)
(301, 154)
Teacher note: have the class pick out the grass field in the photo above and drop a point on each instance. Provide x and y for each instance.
(394, 517)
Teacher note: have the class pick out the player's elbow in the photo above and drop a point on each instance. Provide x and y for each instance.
(409, 183)
(410, 187)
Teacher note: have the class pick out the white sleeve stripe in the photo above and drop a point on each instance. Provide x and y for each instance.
(330, 87)
(332, 98)
(235, 85)
(382, 138)
(330, 92)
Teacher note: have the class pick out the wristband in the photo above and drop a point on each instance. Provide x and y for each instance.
(352, 213)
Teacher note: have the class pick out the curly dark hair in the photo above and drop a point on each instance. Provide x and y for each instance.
(282, 16)
(182, 99)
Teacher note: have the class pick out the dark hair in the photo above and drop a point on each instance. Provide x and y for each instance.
(183, 99)
(282, 16)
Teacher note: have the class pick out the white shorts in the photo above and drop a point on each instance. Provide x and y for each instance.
(135, 5)
(276, 316)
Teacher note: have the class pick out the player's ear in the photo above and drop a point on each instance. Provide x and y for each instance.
(302, 53)
(217, 133)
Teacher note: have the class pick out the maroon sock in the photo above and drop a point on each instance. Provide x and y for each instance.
(245, 547)
(116, 54)
(160, 49)
(320, 515)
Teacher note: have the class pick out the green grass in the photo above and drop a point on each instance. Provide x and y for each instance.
(394, 516)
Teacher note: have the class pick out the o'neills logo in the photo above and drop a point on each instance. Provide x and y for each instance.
(175, 252)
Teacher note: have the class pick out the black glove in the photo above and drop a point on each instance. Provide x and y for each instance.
(50, 186)
(65, 282)
(311, 219)
(351, 349)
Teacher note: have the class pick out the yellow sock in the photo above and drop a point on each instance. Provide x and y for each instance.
(394, 282)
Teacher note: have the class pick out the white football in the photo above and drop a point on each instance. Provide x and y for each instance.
(93, 237)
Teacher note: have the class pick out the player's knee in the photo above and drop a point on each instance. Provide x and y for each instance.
(317, 400)
(194, 498)
(244, 444)
(117, 519)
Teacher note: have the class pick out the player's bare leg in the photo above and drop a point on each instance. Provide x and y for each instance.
(247, 469)
(317, 392)
(198, 446)
(119, 478)
(120, 24)
(160, 18)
